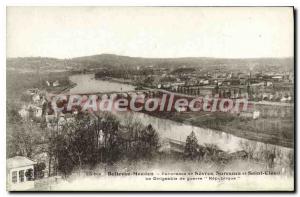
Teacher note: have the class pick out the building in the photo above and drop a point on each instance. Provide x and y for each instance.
(56, 83)
(36, 98)
(20, 173)
(53, 83)
(30, 109)
(24, 113)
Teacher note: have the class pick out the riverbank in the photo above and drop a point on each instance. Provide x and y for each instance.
(117, 80)
(231, 124)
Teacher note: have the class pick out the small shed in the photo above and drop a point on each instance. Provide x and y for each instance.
(20, 173)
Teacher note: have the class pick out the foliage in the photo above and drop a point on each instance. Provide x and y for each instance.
(39, 170)
(191, 146)
(143, 141)
(29, 174)
(24, 137)
(78, 141)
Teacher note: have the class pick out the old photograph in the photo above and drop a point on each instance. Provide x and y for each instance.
(150, 98)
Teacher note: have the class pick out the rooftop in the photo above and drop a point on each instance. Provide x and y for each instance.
(18, 161)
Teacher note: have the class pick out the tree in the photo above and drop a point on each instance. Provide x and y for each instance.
(74, 143)
(93, 138)
(151, 137)
(141, 141)
(191, 146)
(77, 143)
(110, 127)
(24, 138)
(38, 171)
(148, 81)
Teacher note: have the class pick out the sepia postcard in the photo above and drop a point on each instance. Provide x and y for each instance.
(150, 99)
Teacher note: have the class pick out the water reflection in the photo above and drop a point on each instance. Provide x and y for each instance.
(88, 84)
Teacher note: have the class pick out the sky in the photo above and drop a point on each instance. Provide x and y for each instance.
(66, 32)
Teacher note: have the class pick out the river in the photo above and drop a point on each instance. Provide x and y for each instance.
(179, 131)
(87, 84)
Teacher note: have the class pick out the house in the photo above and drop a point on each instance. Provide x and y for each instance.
(206, 82)
(36, 98)
(32, 91)
(56, 83)
(35, 110)
(52, 83)
(277, 77)
(24, 113)
(283, 99)
(269, 83)
(57, 121)
(169, 145)
(20, 173)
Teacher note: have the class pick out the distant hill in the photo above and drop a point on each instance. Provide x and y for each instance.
(44, 64)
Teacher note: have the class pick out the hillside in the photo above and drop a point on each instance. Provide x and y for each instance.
(32, 64)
